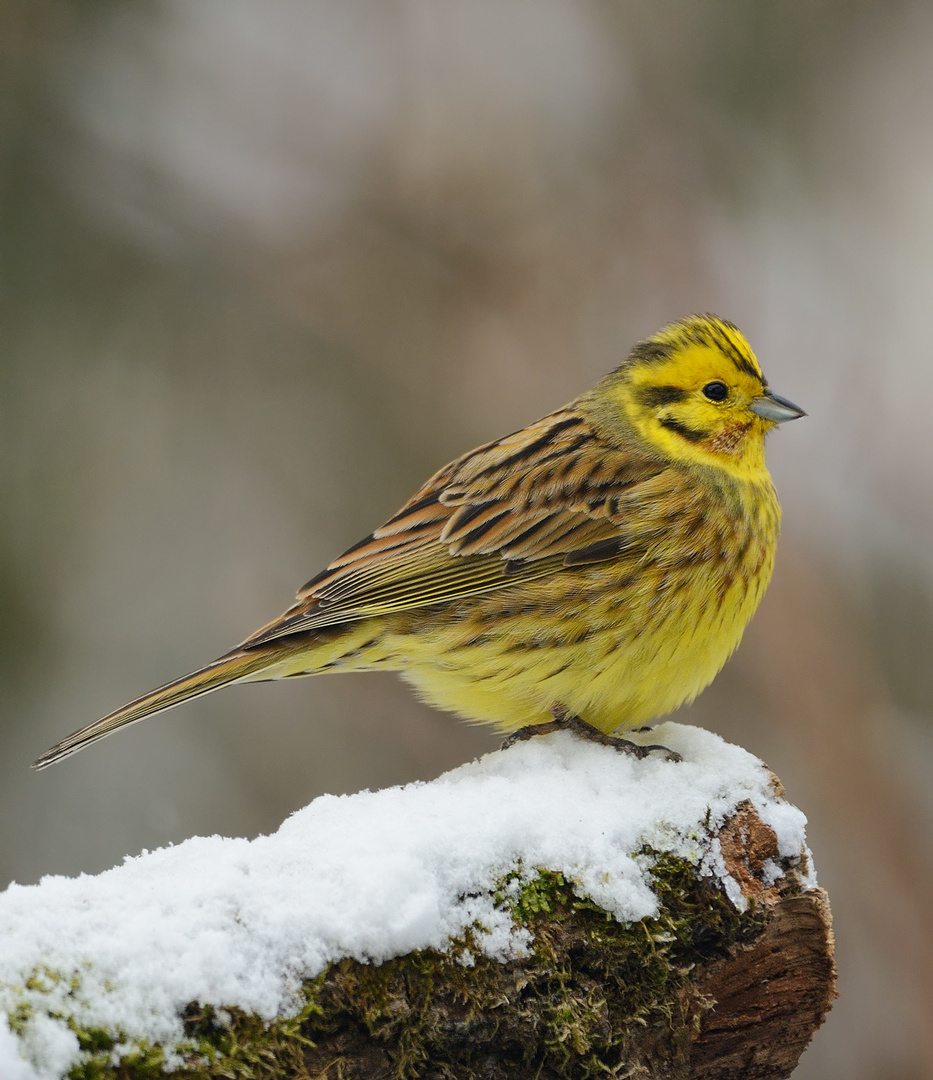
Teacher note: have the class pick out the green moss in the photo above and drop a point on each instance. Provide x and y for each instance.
(141, 1062)
(577, 1006)
(19, 1016)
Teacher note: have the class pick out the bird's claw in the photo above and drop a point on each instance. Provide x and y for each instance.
(564, 721)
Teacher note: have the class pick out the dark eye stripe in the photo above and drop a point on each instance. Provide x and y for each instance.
(653, 396)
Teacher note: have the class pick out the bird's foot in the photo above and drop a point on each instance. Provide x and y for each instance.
(529, 732)
(564, 721)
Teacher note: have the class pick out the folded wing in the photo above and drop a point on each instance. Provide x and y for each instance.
(548, 497)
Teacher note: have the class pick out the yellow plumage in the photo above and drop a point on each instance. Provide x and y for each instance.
(601, 563)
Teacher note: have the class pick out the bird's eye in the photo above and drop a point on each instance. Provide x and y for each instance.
(716, 391)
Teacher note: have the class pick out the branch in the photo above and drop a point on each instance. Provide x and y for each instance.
(554, 910)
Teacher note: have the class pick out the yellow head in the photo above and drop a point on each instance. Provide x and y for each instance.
(694, 392)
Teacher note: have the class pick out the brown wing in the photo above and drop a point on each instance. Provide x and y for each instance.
(549, 496)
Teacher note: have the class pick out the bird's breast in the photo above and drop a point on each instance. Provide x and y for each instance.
(618, 642)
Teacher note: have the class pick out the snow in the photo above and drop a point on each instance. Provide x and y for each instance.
(370, 876)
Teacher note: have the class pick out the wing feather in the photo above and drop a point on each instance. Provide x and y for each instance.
(545, 498)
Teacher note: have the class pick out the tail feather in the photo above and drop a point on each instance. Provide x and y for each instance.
(234, 667)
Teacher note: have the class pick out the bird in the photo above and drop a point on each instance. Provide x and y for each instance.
(593, 570)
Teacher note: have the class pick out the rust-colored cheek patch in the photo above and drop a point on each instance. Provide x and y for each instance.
(728, 439)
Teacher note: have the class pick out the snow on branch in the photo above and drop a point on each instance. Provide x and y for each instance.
(554, 909)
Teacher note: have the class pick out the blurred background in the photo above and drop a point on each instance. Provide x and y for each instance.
(265, 267)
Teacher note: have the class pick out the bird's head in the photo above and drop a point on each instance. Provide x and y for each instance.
(694, 392)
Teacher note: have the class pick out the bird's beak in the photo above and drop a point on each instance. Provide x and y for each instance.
(770, 406)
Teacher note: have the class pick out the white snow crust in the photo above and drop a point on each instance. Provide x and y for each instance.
(234, 922)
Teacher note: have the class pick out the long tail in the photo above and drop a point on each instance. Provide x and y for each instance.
(237, 666)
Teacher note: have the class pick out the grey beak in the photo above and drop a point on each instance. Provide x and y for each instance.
(772, 407)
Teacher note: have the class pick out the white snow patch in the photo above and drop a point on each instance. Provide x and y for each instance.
(370, 876)
(14, 1067)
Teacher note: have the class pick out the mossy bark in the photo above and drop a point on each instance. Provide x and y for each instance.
(701, 991)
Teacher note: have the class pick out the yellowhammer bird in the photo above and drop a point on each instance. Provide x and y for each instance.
(598, 566)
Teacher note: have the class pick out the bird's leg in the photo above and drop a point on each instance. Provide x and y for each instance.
(565, 721)
(531, 731)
